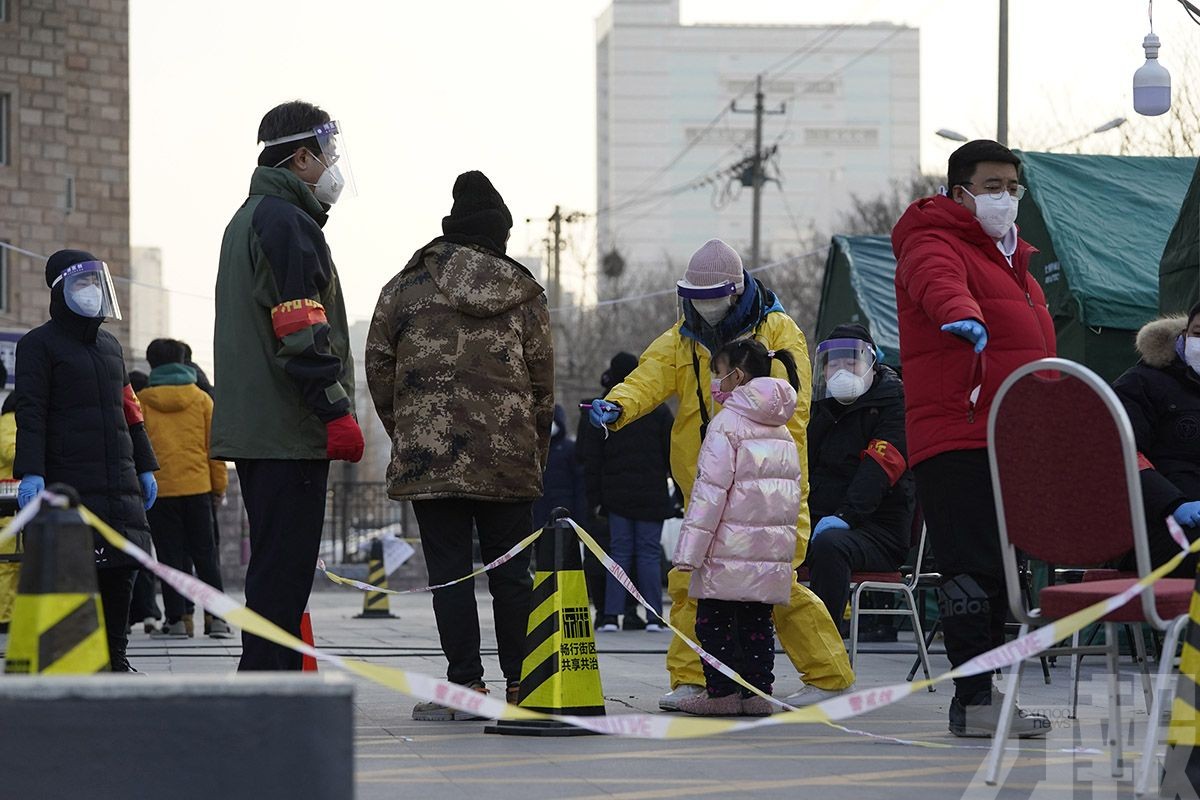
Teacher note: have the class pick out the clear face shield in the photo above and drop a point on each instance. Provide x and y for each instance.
(843, 369)
(88, 290)
(711, 302)
(332, 143)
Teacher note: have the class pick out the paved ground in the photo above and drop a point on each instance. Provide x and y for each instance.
(397, 757)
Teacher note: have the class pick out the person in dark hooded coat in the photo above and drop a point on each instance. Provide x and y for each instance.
(79, 423)
(1161, 395)
(626, 473)
(562, 480)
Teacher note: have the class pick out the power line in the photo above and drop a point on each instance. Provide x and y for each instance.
(117, 278)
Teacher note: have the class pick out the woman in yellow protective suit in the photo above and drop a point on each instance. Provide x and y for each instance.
(722, 302)
(9, 571)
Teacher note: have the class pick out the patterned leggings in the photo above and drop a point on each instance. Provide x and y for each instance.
(741, 635)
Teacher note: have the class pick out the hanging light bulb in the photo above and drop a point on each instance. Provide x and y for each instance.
(1151, 82)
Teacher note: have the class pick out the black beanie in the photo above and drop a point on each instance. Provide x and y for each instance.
(63, 259)
(618, 369)
(851, 330)
(478, 210)
(1192, 314)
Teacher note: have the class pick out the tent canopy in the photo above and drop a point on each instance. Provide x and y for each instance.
(1179, 271)
(1100, 224)
(1108, 218)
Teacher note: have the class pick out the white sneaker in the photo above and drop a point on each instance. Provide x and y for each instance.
(608, 627)
(670, 700)
(654, 627)
(811, 695)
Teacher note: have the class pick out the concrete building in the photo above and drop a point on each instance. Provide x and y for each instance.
(64, 146)
(149, 309)
(664, 124)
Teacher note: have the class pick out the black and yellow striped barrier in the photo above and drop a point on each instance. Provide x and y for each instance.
(375, 604)
(561, 670)
(58, 623)
(1181, 769)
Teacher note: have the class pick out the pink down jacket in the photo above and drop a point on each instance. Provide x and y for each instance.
(739, 535)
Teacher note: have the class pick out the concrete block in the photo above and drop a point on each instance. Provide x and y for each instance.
(267, 736)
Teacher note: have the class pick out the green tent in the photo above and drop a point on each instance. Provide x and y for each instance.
(1101, 223)
(1179, 271)
(858, 287)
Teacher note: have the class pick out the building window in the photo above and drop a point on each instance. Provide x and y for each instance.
(5, 107)
(4, 304)
(3, 10)
(69, 197)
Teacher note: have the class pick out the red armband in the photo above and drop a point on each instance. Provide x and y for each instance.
(887, 456)
(1143, 462)
(296, 315)
(132, 407)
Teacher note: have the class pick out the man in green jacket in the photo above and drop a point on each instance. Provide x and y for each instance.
(284, 400)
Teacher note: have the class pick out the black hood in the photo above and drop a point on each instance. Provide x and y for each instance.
(82, 328)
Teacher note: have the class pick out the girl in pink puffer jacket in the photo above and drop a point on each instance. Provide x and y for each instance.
(739, 535)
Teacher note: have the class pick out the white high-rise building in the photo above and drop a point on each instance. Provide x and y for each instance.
(850, 127)
(149, 311)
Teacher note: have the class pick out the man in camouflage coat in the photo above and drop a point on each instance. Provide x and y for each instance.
(461, 368)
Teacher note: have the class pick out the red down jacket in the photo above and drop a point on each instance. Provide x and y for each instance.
(949, 269)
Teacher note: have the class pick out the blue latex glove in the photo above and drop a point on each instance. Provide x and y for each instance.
(829, 523)
(31, 486)
(1187, 514)
(969, 329)
(149, 488)
(603, 413)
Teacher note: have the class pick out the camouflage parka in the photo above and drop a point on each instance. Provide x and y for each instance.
(460, 366)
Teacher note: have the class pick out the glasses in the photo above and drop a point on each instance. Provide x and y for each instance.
(998, 192)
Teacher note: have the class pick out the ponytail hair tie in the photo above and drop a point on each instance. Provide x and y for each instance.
(770, 354)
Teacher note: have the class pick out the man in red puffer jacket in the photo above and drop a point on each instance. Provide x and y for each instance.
(970, 313)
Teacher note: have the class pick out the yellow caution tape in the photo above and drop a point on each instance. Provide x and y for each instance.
(645, 726)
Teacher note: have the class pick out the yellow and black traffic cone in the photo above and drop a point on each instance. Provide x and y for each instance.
(561, 671)
(1181, 769)
(58, 622)
(375, 604)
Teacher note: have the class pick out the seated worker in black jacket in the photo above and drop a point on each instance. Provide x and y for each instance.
(1161, 395)
(861, 492)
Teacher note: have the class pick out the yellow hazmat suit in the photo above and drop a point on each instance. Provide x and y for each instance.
(669, 367)
(9, 571)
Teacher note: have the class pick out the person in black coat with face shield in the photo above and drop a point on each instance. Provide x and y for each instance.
(861, 493)
(79, 423)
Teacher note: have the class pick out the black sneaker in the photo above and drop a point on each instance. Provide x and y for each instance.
(608, 622)
(980, 720)
(633, 622)
(881, 633)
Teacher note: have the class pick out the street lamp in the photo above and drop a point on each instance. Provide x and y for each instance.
(1112, 124)
(953, 136)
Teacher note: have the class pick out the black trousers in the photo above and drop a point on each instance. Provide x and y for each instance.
(285, 504)
(446, 539)
(182, 530)
(144, 604)
(741, 635)
(116, 590)
(955, 492)
(835, 554)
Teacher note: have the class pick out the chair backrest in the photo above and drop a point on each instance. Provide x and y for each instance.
(1064, 469)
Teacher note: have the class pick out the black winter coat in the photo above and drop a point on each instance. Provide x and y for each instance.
(845, 481)
(74, 406)
(626, 474)
(1161, 396)
(562, 481)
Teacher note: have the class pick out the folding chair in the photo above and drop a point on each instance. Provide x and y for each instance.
(894, 583)
(1065, 477)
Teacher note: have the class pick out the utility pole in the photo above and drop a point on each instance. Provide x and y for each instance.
(1002, 86)
(756, 167)
(556, 254)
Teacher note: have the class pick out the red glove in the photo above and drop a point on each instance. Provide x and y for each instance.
(344, 440)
